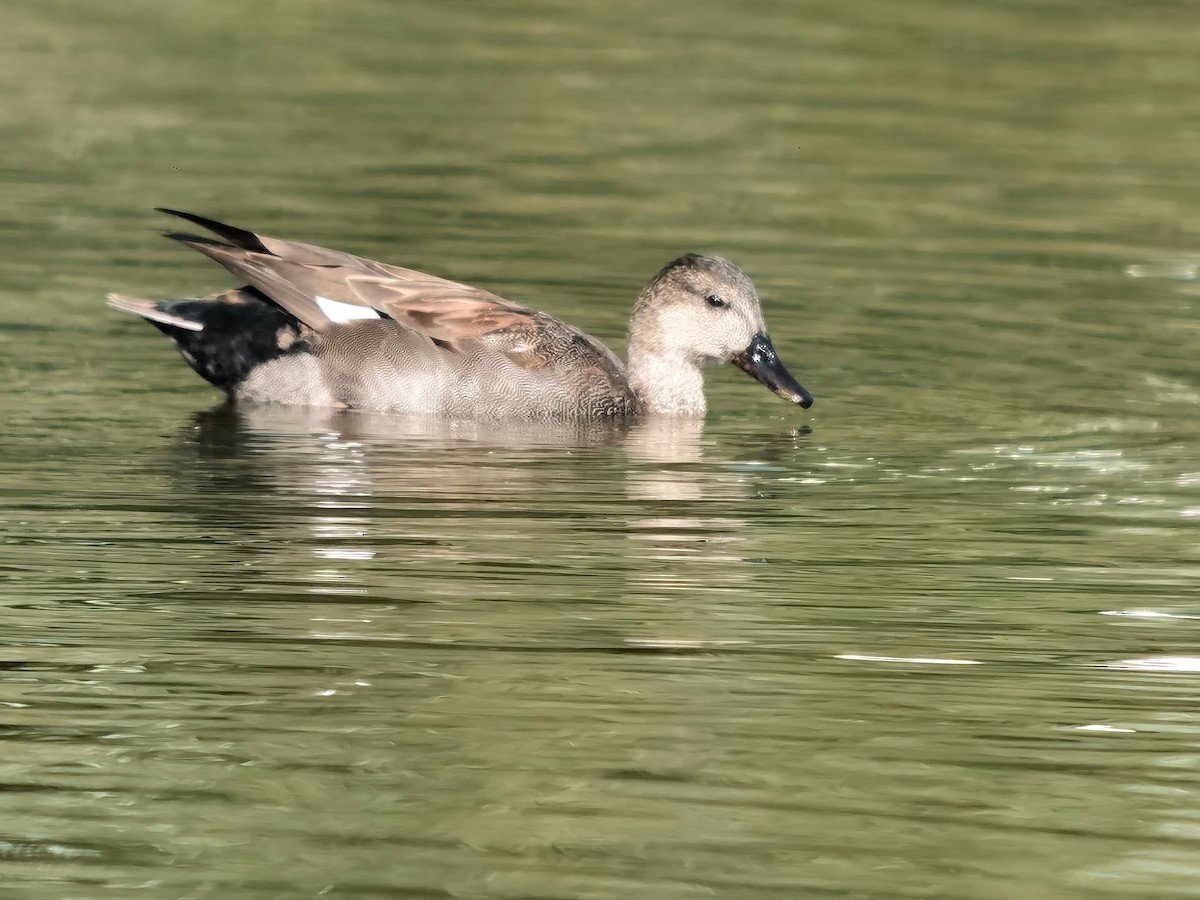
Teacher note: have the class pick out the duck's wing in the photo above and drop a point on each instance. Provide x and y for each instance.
(323, 287)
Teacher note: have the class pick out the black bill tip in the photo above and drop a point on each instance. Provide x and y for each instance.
(761, 363)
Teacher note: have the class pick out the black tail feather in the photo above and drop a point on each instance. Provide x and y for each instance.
(186, 237)
(239, 237)
(238, 331)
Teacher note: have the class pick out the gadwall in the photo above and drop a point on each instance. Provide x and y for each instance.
(318, 327)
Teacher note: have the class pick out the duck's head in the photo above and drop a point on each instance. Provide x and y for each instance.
(704, 307)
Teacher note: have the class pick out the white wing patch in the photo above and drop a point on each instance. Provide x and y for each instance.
(345, 312)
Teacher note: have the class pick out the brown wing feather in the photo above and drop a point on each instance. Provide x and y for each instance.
(294, 274)
(462, 318)
(263, 272)
(443, 310)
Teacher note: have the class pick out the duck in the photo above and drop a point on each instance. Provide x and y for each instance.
(316, 327)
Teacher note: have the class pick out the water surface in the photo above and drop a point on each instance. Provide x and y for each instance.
(935, 638)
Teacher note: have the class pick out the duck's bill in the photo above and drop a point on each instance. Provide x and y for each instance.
(761, 363)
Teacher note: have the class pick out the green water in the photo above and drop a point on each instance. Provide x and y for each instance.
(937, 637)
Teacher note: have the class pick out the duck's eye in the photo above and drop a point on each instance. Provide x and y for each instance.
(714, 301)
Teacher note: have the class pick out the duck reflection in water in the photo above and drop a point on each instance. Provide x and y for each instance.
(416, 524)
(358, 485)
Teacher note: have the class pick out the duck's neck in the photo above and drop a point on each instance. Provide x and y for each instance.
(666, 384)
